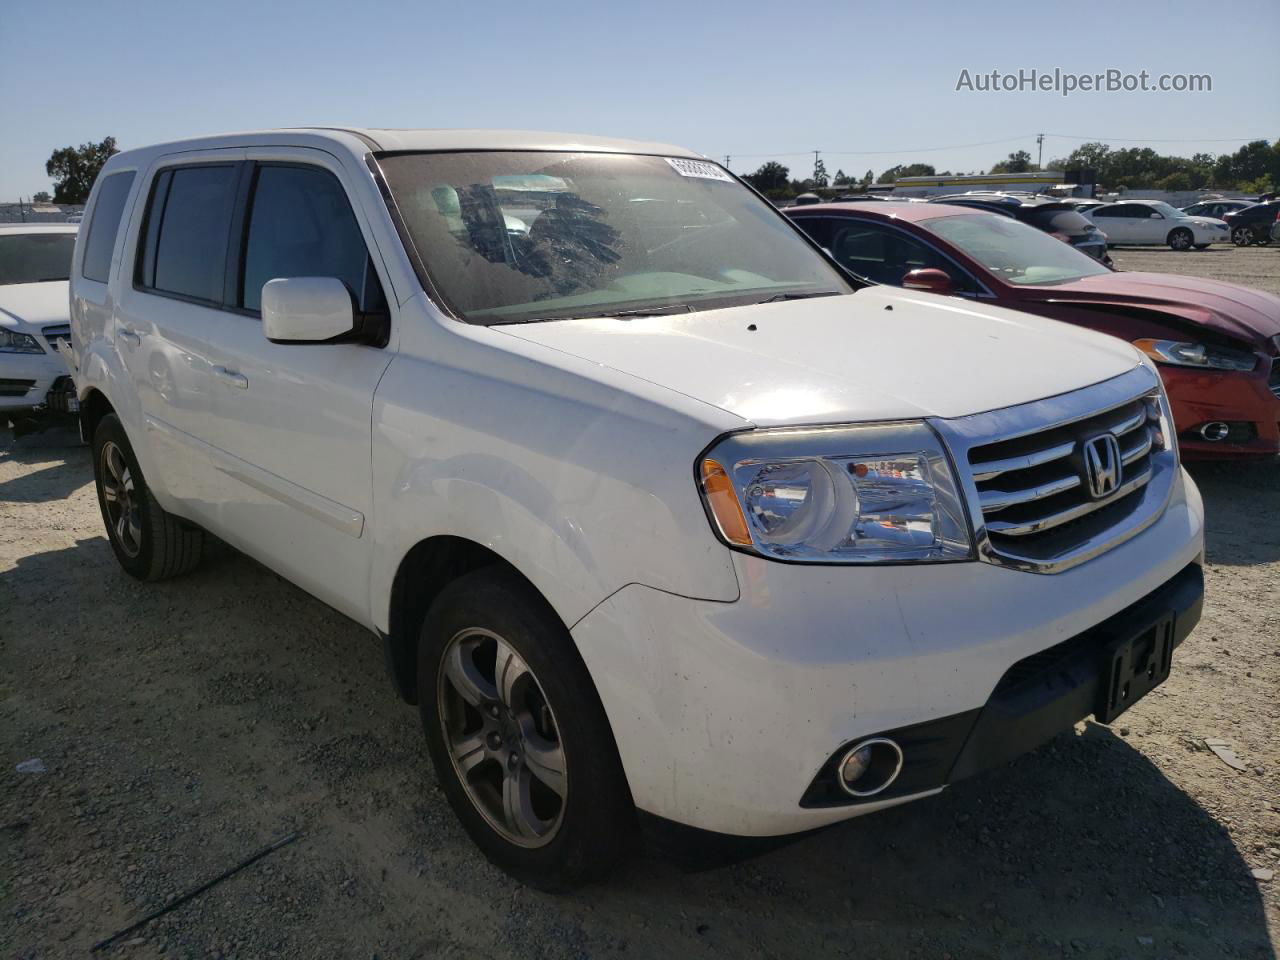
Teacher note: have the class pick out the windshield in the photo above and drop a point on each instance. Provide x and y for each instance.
(1013, 251)
(35, 257)
(520, 236)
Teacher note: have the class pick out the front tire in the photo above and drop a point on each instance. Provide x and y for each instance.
(1181, 239)
(518, 735)
(150, 543)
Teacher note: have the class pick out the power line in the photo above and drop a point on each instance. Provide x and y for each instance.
(988, 143)
(1068, 136)
(873, 153)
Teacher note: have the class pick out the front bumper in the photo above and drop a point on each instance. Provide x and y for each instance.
(725, 713)
(1244, 400)
(25, 379)
(1036, 698)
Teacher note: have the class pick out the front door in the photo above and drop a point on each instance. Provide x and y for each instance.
(296, 419)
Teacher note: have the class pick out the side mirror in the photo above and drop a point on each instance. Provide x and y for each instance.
(930, 279)
(306, 310)
(1156, 215)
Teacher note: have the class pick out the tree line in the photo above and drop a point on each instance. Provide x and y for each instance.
(1254, 168)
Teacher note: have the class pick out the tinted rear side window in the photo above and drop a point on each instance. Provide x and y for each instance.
(100, 238)
(301, 225)
(188, 219)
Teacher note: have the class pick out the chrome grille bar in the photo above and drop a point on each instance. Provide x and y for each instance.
(993, 500)
(1129, 424)
(1071, 513)
(993, 468)
(1140, 449)
(1034, 472)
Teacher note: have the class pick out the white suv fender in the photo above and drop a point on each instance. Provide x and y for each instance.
(555, 446)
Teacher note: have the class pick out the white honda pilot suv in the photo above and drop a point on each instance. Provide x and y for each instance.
(663, 520)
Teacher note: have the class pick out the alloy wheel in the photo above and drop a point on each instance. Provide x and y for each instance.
(1242, 236)
(1181, 240)
(122, 499)
(502, 737)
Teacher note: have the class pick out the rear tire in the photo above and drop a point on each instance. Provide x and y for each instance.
(500, 683)
(150, 543)
(1242, 236)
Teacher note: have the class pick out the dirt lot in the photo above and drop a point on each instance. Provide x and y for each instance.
(184, 725)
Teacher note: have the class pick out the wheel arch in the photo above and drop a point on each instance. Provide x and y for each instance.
(94, 405)
(427, 568)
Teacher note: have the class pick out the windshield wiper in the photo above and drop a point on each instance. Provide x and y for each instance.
(614, 314)
(777, 297)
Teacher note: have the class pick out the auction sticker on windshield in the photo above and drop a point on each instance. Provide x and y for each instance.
(698, 168)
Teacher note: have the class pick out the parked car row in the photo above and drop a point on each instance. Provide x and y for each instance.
(1154, 221)
(1254, 223)
(1062, 220)
(666, 518)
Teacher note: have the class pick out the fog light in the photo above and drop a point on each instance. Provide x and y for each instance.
(869, 767)
(1215, 430)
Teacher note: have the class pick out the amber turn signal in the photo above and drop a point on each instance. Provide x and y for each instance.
(718, 489)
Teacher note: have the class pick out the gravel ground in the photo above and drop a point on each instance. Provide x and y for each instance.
(184, 725)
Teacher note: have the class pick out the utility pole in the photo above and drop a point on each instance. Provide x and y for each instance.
(1040, 152)
(726, 161)
(815, 165)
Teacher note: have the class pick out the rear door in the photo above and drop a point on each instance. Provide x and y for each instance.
(295, 419)
(1118, 223)
(170, 304)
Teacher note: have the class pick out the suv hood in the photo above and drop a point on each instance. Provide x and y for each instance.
(879, 354)
(1227, 308)
(35, 304)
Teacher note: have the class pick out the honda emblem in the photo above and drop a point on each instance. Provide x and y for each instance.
(1102, 465)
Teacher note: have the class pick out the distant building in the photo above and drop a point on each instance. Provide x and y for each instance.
(1070, 183)
(25, 212)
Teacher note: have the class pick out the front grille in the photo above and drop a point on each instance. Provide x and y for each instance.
(1274, 381)
(56, 332)
(15, 388)
(1033, 490)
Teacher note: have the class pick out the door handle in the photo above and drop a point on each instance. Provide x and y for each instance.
(231, 378)
(129, 337)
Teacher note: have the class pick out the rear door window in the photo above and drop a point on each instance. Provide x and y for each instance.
(301, 225)
(101, 230)
(188, 221)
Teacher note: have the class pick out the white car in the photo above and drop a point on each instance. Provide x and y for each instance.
(35, 260)
(657, 518)
(1154, 221)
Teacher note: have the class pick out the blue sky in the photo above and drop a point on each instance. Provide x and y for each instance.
(755, 81)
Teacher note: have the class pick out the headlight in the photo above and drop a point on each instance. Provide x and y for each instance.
(1196, 355)
(11, 342)
(876, 493)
